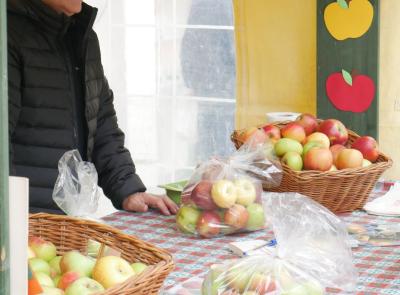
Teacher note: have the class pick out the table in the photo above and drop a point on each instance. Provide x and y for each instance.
(379, 267)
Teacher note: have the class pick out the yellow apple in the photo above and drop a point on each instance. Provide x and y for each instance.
(224, 193)
(112, 270)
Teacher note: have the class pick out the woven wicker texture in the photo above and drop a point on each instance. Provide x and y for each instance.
(340, 191)
(69, 233)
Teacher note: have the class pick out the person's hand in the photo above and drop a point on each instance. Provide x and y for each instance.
(140, 202)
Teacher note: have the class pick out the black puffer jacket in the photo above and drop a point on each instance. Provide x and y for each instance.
(42, 115)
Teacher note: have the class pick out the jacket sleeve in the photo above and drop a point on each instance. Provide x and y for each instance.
(116, 170)
(14, 97)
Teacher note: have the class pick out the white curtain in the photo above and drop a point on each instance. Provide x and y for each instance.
(171, 66)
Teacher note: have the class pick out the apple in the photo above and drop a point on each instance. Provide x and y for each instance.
(294, 131)
(335, 130)
(209, 224)
(355, 97)
(261, 283)
(138, 267)
(201, 195)
(44, 279)
(238, 278)
(368, 147)
(245, 191)
(335, 150)
(84, 286)
(67, 279)
(349, 158)
(308, 122)
(319, 137)
(186, 219)
(253, 136)
(224, 193)
(39, 265)
(112, 270)
(293, 160)
(55, 266)
(93, 248)
(333, 168)
(56, 280)
(311, 144)
(51, 291)
(318, 159)
(345, 13)
(256, 217)
(308, 288)
(75, 261)
(285, 145)
(213, 284)
(236, 216)
(366, 163)
(42, 249)
(272, 132)
(31, 254)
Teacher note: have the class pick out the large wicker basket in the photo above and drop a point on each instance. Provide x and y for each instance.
(340, 191)
(69, 233)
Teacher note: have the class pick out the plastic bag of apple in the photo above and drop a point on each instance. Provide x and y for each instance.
(75, 273)
(223, 196)
(311, 254)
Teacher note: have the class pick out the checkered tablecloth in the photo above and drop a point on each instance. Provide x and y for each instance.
(379, 267)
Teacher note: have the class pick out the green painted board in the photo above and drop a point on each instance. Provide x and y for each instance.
(4, 230)
(359, 54)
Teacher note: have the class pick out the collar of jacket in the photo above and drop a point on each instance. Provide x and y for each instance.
(51, 21)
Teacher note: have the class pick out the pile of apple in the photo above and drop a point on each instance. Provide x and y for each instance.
(222, 206)
(74, 273)
(254, 278)
(306, 144)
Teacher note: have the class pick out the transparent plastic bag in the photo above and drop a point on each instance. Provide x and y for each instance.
(312, 254)
(76, 191)
(223, 196)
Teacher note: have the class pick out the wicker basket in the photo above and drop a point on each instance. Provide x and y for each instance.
(69, 233)
(340, 191)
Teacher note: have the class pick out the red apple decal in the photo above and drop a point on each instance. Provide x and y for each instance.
(347, 93)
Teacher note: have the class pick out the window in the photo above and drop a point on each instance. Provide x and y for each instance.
(171, 66)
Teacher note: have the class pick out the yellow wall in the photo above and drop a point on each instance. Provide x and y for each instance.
(276, 58)
(389, 85)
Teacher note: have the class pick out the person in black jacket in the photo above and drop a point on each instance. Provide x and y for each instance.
(59, 100)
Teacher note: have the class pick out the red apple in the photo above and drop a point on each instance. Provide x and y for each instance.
(236, 216)
(335, 130)
(272, 132)
(309, 123)
(349, 158)
(318, 159)
(320, 137)
(254, 136)
(368, 147)
(294, 131)
(67, 279)
(335, 150)
(201, 196)
(209, 224)
(356, 97)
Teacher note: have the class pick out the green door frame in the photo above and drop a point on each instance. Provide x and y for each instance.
(4, 230)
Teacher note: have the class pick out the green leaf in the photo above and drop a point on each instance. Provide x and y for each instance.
(347, 77)
(343, 4)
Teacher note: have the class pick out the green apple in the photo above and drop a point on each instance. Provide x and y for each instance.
(212, 284)
(84, 286)
(44, 279)
(309, 288)
(39, 265)
(245, 191)
(311, 144)
(256, 218)
(52, 291)
(293, 160)
(138, 267)
(42, 249)
(76, 262)
(112, 270)
(56, 280)
(186, 219)
(366, 163)
(93, 248)
(285, 145)
(55, 266)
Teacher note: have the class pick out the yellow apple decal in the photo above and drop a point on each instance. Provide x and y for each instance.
(348, 19)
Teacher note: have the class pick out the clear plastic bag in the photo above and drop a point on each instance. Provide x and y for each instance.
(76, 191)
(312, 254)
(223, 196)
